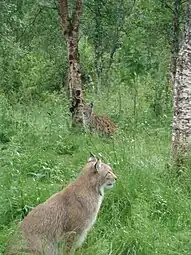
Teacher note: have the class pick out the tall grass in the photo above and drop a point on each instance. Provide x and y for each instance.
(146, 213)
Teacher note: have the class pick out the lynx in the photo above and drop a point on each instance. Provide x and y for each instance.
(95, 122)
(62, 222)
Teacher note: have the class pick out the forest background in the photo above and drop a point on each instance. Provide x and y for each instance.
(125, 50)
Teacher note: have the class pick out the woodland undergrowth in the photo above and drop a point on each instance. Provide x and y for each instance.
(148, 210)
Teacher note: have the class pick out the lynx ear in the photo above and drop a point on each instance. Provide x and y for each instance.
(92, 157)
(98, 164)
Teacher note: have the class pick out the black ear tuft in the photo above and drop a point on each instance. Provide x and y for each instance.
(92, 157)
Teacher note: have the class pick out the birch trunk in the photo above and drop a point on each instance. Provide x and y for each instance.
(181, 133)
(175, 43)
(70, 27)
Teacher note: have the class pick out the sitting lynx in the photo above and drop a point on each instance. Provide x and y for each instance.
(62, 222)
(95, 122)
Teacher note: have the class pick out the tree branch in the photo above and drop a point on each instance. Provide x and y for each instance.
(167, 6)
(183, 2)
(30, 24)
(76, 15)
(64, 16)
(90, 8)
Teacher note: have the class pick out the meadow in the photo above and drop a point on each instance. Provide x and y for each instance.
(148, 210)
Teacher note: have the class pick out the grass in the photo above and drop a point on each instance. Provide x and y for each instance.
(146, 213)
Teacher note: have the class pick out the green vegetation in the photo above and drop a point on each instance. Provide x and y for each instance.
(125, 48)
(147, 212)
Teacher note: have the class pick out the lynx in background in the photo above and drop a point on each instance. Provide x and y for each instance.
(61, 223)
(97, 123)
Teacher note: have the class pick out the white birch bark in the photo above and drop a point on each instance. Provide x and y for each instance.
(181, 133)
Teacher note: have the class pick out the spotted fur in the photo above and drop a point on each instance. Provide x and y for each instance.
(99, 123)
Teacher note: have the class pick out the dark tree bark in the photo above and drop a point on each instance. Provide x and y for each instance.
(70, 26)
(176, 10)
(176, 36)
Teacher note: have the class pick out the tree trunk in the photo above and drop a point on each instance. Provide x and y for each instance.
(176, 37)
(175, 43)
(70, 27)
(181, 133)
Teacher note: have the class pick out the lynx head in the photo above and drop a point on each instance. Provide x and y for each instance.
(87, 112)
(100, 173)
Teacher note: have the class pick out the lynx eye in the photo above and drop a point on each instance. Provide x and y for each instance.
(106, 176)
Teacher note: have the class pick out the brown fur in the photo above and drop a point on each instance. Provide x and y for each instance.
(65, 218)
(96, 122)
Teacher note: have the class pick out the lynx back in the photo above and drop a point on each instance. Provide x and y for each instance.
(94, 122)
